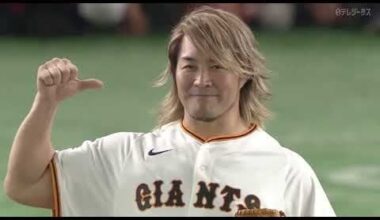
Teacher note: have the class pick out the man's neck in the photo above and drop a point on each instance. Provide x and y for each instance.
(223, 126)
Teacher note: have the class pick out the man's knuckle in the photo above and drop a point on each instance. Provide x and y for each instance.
(67, 61)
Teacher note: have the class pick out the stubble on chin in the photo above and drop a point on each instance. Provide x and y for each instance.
(203, 115)
(203, 118)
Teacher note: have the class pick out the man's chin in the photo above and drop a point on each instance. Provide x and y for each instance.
(203, 117)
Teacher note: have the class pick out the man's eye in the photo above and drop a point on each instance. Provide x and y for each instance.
(217, 67)
(188, 67)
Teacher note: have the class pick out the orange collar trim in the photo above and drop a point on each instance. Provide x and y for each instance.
(221, 137)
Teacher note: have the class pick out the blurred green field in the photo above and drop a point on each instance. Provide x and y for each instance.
(325, 87)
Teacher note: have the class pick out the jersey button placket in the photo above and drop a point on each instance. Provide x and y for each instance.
(203, 168)
(200, 173)
(201, 164)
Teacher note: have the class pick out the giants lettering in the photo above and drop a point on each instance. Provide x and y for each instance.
(204, 193)
(205, 196)
(143, 195)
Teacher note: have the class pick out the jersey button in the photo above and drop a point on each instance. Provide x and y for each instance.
(203, 167)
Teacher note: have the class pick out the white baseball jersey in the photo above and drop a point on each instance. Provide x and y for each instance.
(172, 172)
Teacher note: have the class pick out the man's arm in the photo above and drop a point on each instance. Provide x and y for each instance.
(304, 195)
(28, 176)
(30, 155)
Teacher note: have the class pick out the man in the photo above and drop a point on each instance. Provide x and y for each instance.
(208, 156)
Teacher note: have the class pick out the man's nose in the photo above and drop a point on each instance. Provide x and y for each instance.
(202, 78)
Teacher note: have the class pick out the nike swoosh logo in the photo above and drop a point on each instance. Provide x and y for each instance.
(151, 153)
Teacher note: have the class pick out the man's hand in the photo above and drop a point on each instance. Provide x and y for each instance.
(57, 79)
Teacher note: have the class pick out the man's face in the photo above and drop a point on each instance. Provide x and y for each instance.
(205, 89)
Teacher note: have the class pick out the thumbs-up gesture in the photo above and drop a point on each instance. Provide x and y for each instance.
(57, 79)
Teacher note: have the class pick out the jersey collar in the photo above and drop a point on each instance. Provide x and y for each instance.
(218, 138)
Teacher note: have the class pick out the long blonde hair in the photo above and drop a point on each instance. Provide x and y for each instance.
(229, 41)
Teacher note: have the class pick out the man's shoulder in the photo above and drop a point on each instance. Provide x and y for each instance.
(164, 131)
(263, 138)
(269, 141)
(167, 129)
(119, 137)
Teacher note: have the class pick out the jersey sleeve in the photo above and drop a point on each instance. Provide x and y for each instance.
(85, 177)
(304, 195)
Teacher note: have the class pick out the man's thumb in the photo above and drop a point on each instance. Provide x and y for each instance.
(90, 84)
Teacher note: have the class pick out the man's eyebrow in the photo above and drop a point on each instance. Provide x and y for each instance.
(188, 58)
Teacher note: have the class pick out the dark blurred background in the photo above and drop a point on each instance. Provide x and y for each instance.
(142, 19)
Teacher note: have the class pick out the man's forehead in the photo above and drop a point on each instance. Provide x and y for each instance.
(190, 53)
(194, 56)
(190, 58)
(188, 50)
